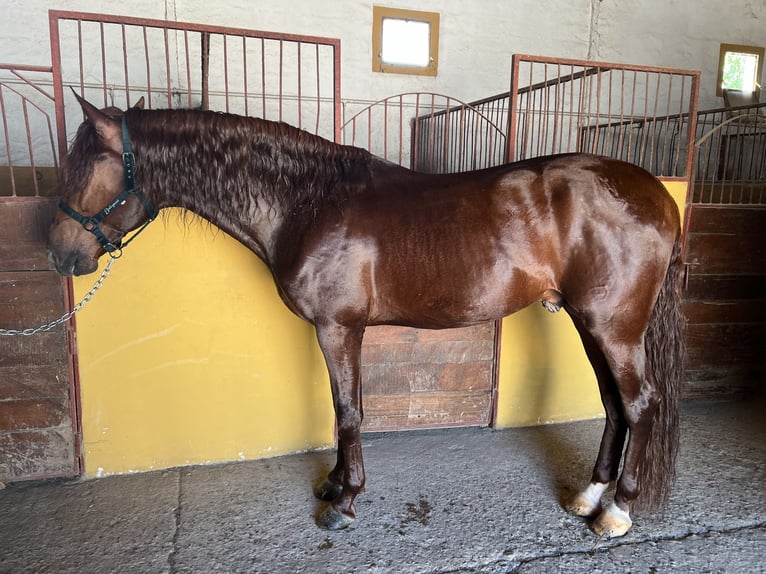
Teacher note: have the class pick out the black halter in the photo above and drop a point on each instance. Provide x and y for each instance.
(92, 223)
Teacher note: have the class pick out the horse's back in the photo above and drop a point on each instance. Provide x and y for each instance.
(595, 184)
(447, 250)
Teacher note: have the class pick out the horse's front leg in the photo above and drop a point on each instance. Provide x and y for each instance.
(342, 348)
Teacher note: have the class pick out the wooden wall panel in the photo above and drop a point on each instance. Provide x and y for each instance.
(725, 301)
(418, 378)
(23, 234)
(37, 431)
(726, 254)
(32, 454)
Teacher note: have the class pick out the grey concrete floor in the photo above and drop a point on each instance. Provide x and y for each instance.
(442, 501)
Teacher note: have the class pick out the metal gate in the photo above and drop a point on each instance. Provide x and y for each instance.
(114, 60)
(633, 113)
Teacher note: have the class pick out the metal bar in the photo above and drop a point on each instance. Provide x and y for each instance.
(608, 132)
(281, 73)
(693, 103)
(7, 142)
(103, 63)
(58, 89)
(29, 146)
(125, 65)
(300, 111)
(432, 135)
(204, 69)
(187, 59)
(336, 89)
(414, 144)
(167, 68)
(385, 129)
(15, 71)
(52, 140)
(401, 128)
(445, 144)
(319, 92)
(244, 73)
(148, 69)
(369, 128)
(263, 78)
(226, 70)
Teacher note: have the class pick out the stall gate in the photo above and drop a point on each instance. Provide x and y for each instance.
(113, 61)
(38, 416)
(725, 254)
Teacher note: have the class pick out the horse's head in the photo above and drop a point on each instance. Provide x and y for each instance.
(100, 201)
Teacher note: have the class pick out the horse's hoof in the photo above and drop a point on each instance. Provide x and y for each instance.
(332, 519)
(587, 504)
(612, 523)
(582, 508)
(328, 490)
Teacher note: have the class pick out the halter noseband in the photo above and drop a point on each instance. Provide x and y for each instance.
(92, 223)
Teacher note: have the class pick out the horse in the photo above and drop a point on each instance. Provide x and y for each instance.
(353, 240)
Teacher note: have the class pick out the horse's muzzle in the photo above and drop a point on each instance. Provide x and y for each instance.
(72, 263)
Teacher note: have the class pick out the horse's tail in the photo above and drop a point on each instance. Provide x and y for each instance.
(665, 354)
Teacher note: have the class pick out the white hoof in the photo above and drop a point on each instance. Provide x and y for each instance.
(588, 502)
(613, 522)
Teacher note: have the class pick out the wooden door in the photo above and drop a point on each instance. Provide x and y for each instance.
(37, 420)
(420, 378)
(725, 300)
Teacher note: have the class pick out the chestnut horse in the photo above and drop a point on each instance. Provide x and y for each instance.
(353, 240)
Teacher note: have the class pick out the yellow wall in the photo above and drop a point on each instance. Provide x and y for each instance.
(678, 190)
(187, 355)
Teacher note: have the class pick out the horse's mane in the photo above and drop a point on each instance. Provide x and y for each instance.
(249, 161)
(207, 156)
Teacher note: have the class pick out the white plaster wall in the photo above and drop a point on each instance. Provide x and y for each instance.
(677, 33)
(476, 41)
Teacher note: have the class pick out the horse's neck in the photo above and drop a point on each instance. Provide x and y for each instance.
(252, 178)
(229, 202)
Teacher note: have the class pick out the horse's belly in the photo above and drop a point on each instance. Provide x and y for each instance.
(457, 301)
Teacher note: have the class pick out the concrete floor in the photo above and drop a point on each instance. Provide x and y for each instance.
(447, 501)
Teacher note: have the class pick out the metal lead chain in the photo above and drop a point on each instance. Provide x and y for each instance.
(64, 318)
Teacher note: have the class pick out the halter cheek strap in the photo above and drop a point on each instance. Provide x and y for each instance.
(92, 223)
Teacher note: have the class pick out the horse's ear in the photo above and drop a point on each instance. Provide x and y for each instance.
(108, 129)
(139, 104)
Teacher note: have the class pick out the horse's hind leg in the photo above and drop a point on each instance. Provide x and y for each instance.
(342, 349)
(587, 503)
(626, 358)
(639, 404)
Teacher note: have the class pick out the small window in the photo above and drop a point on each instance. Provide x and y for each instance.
(405, 41)
(740, 68)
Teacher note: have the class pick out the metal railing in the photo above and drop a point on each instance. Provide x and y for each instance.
(115, 60)
(28, 150)
(634, 113)
(413, 130)
(623, 111)
(730, 156)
